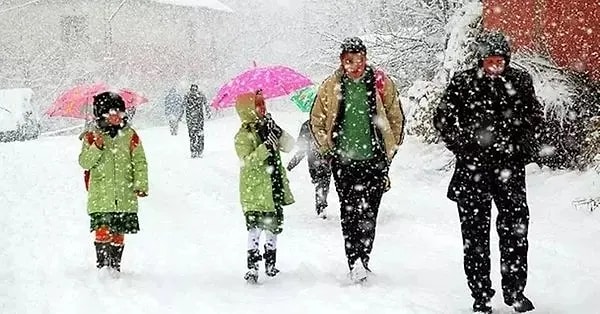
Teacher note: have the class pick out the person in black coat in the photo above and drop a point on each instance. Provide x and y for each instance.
(489, 117)
(195, 105)
(318, 167)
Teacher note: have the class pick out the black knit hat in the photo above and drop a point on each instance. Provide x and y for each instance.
(106, 101)
(493, 43)
(353, 45)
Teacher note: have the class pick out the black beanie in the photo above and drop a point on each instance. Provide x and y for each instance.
(106, 101)
(493, 43)
(353, 45)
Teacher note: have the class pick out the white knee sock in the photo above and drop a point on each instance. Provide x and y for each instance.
(271, 240)
(253, 238)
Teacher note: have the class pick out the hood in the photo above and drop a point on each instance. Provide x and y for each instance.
(245, 107)
(493, 43)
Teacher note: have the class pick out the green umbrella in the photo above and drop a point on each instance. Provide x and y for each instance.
(304, 98)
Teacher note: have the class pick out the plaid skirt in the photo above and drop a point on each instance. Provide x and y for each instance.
(116, 222)
(271, 221)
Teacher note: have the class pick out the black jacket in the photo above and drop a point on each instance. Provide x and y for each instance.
(492, 119)
(306, 147)
(195, 104)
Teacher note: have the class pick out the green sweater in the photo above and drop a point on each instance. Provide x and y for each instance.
(355, 141)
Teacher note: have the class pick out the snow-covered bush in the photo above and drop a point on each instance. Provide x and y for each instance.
(423, 98)
(570, 138)
(571, 106)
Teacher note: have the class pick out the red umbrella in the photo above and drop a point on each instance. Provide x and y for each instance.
(76, 102)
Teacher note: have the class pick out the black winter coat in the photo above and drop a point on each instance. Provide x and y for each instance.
(493, 119)
(491, 126)
(195, 104)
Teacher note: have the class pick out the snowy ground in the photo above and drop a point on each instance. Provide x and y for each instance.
(190, 255)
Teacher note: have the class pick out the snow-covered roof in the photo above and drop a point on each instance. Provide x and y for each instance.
(210, 4)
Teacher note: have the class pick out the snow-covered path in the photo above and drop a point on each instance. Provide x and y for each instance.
(190, 255)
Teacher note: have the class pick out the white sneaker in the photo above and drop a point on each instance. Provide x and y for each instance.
(358, 273)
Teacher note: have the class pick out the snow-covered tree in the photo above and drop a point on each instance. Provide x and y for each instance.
(424, 95)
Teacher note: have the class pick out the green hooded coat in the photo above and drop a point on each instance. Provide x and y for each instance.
(116, 172)
(256, 189)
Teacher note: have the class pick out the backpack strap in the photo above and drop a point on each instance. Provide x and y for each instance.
(380, 83)
(89, 137)
(134, 142)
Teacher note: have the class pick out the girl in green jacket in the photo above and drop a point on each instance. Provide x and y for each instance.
(264, 187)
(116, 175)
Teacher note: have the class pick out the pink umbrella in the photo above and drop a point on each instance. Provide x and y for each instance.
(73, 102)
(274, 81)
(131, 98)
(76, 102)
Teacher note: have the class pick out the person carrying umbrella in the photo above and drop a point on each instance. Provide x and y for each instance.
(195, 104)
(318, 167)
(116, 175)
(264, 187)
(358, 130)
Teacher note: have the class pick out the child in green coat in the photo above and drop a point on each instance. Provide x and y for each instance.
(264, 187)
(116, 175)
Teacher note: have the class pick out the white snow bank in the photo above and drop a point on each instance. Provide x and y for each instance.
(210, 4)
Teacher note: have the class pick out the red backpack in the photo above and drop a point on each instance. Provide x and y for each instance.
(89, 137)
(380, 83)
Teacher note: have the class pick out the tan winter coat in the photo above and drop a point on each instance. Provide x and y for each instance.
(389, 118)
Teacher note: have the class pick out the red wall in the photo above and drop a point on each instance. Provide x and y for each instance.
(568, 31)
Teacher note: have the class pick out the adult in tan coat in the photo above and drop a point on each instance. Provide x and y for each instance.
(357, 123)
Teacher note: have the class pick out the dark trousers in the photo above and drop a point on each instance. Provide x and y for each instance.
(173, 126)
(508, 193)
(321, 191)
(196, 133)
(360, 186)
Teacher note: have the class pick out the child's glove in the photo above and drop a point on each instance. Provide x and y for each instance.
(140, 193)
(272, 141)
(98, 140)
(271, 126)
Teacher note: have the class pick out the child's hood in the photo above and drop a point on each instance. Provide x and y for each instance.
(245, 107)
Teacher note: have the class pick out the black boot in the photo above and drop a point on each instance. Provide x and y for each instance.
(253, 259)
(102, 254)
(482, 304)
(520, 303)
(321, 211)
(116, 253)
(270, 259)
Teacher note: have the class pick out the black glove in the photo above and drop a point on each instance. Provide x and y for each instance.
(272, 142)
(272, 126)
